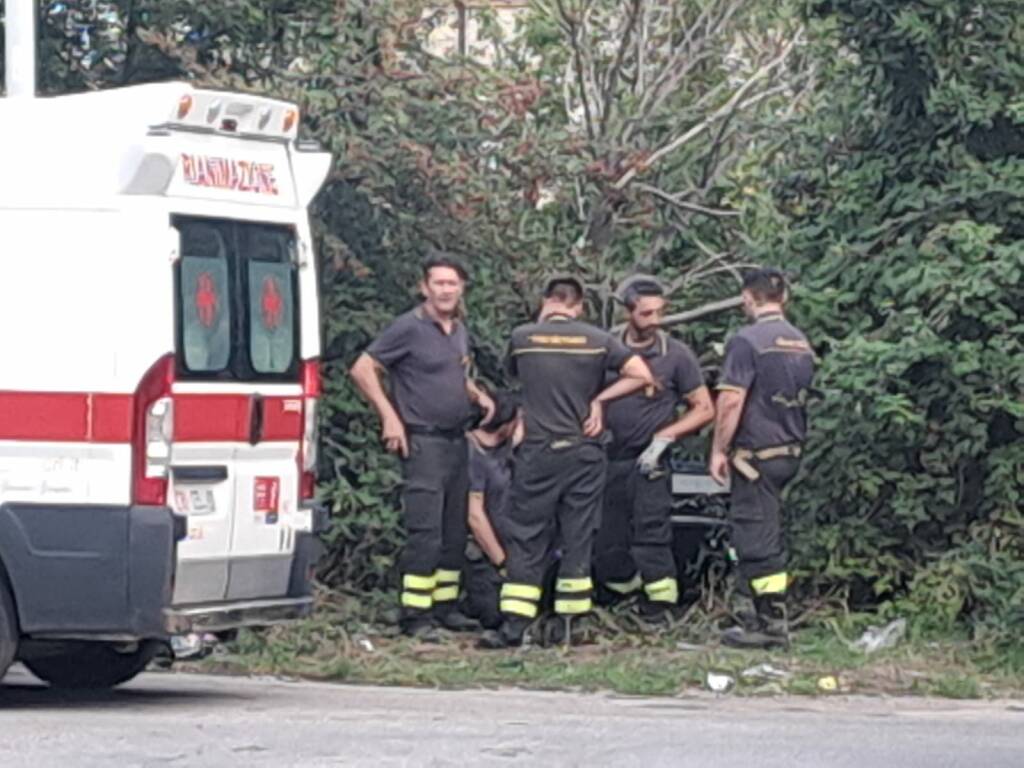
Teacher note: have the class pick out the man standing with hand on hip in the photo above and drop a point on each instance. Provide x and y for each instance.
(426, 354)
(558, 474)
(759, 433)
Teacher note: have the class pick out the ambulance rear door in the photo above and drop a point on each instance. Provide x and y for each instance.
(238, 407)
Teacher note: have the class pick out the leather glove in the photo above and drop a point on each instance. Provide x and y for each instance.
(647, 461)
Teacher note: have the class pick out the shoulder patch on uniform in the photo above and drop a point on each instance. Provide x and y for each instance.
(794, 344)
(557, 340)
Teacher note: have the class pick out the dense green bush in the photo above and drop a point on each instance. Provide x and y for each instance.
(902, 203)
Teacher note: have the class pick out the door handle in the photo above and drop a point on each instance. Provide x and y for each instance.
(209, 473)
(255, 419)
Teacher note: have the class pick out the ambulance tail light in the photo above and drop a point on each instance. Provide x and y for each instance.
(311, 392)
(153, 433)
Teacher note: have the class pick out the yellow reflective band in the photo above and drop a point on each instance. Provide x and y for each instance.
(446, 594)
(574, 585)
(573, 606)
(625, 587)
(422, 583)
(519, 607)
(447, 577)
(770, 585)
(522, 591)
(416, 600)
(663, 591)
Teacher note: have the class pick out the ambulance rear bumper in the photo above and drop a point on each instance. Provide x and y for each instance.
(89, 571)
(217, 617)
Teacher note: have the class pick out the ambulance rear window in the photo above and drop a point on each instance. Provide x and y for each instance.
(237, 300)
(205, 299)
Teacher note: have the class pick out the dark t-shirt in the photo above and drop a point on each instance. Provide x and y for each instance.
(561, 364)
(634, 419)
(427, 368)
(490, 473)
(774, 363)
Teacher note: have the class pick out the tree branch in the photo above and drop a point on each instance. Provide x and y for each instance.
(676, 201)
(736, 99)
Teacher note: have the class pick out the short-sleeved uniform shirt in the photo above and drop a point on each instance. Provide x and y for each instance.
(772, 361)
(561, 364)
(427, 368)
(490, 473)
(634, 419)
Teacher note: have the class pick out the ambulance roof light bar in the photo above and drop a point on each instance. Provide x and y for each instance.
(242, 114)
(20, 48)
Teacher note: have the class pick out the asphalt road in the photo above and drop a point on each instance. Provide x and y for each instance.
(191, 720)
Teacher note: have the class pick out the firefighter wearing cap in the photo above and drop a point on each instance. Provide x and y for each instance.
(633, 547)
(558, 474)
(426, 354)
(490, 492)
(759, 433)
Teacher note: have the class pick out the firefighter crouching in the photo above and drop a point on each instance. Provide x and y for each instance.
(760, 428)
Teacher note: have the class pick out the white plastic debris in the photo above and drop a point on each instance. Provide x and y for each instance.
(719, 683)
(365, 644)
(764, 672)
(690, 647)
(187, 646)
(877, 638)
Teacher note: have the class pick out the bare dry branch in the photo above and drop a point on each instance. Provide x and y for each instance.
(738, 98)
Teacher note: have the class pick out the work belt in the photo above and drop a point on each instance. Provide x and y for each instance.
(560, 443)
(741, 458)
(447, 434)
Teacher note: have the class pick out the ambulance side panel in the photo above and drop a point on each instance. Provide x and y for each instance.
(83, 312)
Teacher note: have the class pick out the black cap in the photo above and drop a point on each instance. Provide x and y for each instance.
(506, 406)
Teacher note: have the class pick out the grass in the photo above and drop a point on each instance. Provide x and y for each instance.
(349, 640)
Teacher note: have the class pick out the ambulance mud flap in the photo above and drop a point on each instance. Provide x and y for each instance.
(89, 570)
(308, 551)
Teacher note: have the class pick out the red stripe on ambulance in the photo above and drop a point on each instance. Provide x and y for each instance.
(100, 417)
(62, 417)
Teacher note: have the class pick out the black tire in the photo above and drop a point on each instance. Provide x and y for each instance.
(8, 627)
(85, 665)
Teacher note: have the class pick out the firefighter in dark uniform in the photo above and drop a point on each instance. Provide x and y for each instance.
(760, 428)
(426, 355)
(490, 491)
(633, 547)
(558, 474)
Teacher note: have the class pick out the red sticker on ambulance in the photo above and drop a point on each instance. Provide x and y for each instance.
(266, 495)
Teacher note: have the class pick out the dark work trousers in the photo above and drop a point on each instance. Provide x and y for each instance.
(636, 529)
(755, 511)
(483, 588)
(434, 499)
(482, 582)
(556, 497)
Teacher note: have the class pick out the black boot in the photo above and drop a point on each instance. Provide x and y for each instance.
(451, 618)
(421, 628)
(768, 628)
(657, 613)
(509, 635)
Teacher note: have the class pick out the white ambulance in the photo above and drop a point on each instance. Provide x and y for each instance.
(159, 343)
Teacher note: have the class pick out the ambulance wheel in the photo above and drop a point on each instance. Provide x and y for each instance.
(8, 627)
(86, 665)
